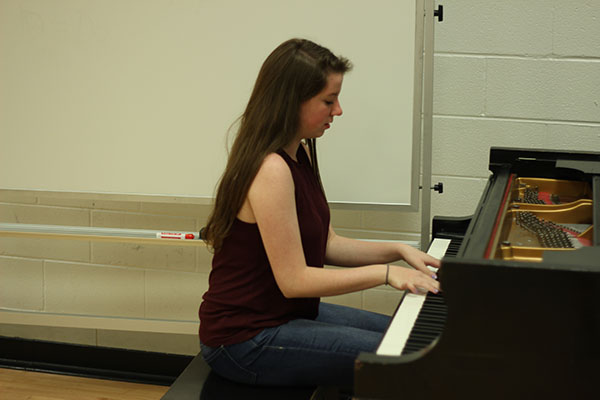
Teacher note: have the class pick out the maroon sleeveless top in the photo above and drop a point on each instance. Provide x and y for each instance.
(243, 297)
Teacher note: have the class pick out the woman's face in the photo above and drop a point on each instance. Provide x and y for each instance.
(316, 114)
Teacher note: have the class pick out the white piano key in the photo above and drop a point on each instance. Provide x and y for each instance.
(438, 247)
(403, 320)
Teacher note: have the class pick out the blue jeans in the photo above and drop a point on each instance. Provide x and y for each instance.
(302, 352)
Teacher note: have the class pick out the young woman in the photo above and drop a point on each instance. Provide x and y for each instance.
(261, 320)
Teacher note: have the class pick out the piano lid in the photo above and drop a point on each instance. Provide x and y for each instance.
(555, 164)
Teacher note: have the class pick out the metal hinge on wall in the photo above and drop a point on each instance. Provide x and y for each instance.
(439, 13)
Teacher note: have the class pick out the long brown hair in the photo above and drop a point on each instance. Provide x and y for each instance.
(293, 73)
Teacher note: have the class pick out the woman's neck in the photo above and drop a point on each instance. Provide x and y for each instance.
(292, 148)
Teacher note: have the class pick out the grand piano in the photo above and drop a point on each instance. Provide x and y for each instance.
(519, 312)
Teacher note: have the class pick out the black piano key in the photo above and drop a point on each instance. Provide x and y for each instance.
(430, 319)
(424, 335)
(430, 334)
(435, 309)
(420, 343)
(453, 247)
(430, 326)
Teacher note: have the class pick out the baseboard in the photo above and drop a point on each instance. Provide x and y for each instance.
(91, 361)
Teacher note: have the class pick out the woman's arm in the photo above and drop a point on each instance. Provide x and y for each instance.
(272, 203)
(345, 252)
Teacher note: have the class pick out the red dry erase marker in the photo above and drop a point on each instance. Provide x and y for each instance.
(177, 235)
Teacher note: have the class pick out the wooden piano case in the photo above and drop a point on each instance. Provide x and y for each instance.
(523, 315)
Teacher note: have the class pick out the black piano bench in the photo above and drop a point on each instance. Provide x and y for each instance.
(199, 382)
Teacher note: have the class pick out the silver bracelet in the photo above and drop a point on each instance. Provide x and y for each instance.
(387, 274)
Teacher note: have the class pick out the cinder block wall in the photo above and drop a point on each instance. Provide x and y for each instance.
(510, 73)
(93, 278)
(131, 280)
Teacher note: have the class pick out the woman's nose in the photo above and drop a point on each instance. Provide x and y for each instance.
(337, 110)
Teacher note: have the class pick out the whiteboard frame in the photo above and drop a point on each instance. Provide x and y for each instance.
(419, 99)
(427, 106)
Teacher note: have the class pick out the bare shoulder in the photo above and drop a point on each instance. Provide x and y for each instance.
(273, 186)
(273, 169)
(274, 160)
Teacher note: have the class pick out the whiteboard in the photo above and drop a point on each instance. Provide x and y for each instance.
(137, 96)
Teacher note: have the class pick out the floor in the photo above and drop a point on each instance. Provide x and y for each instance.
(25, 385)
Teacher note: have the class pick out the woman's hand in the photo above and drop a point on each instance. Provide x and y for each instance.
(409, 279)
(419, 260)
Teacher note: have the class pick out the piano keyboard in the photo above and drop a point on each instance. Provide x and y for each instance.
(419, 318)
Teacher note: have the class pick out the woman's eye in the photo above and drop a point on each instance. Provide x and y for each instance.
(329, 103)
